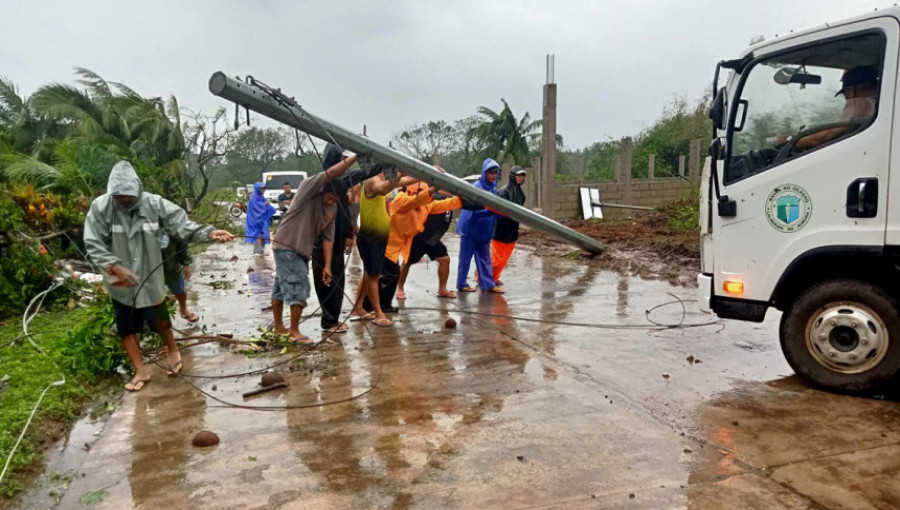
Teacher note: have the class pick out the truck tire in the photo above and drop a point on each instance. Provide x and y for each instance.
(843, 335)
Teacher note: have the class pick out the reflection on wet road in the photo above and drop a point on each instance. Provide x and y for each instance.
(499, 412)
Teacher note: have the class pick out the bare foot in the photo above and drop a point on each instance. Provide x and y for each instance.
(280, 331)
(446, 294)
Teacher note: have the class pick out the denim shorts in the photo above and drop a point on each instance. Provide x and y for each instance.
(291, 284)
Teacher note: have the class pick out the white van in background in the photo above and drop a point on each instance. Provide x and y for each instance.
(274, 182)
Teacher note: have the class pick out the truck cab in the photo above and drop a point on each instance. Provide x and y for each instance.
(795, 200)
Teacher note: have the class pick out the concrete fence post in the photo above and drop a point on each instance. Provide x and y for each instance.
(625, 156)
(681, 165)
(579, 170)
(651, 171)
(534, 181)
(694, 163)
(618, 169)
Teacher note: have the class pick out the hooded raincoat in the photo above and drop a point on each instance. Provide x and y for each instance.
(506, 229)
(475, 227)
(131, 237)
(259, 215)
(476, 222)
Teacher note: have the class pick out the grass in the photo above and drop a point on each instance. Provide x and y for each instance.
(25, 373)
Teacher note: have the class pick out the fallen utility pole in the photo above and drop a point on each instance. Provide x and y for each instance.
(277, 106)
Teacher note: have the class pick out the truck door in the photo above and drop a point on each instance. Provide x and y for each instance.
(808, 153)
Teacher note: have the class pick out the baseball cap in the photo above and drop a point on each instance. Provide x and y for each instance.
(858, 75)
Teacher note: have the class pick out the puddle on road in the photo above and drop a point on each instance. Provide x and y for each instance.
(61, 464)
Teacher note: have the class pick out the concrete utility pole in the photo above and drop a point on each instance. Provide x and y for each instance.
(277, 106)
(548, 141)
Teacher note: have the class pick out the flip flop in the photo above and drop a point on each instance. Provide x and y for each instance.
(449, 295)
(367, 317)
(303, 340)
(383, 323)
(193, 317)
(136, 385)
(401, 294)
(466, 289)
(496, 290)
(340, 328)
(499, 283)
(175, 369)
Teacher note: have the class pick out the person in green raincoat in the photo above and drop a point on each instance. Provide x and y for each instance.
(122, 233)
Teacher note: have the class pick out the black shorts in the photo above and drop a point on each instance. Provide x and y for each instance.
(372, 254)
(420, 248)
(130, 321)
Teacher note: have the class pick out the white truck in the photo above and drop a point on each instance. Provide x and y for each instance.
(275, 181)
(796, 210)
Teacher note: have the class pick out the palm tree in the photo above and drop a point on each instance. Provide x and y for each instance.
(25, 130)
(62, 130)
(503, 137)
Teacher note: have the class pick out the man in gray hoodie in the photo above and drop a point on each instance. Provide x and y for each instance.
(122, 234)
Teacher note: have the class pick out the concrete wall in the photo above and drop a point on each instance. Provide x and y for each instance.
(644, 192)
(563, 201)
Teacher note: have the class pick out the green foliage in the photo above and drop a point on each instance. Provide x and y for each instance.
(685, 216)
(505, 138)
(671, 137)
(90, 349)
(66, 139)
(27, 373)
(26, 270)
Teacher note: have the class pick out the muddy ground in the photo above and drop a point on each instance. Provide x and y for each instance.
(562, 393)
(644, 246)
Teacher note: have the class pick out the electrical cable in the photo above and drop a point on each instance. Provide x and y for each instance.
(27, 424)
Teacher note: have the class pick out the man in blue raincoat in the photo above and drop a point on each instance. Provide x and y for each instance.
(475, 228)
(259, 215)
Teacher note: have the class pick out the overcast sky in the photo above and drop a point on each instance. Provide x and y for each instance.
(392, 64)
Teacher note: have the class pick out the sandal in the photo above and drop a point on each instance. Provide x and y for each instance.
(383, 323)
(191, 317)
(340, 328)
(303, 340)
(136, 384)
(496, 290)
(367, 317)
(175, 369)
(401, 294)
(466, 289)
(449, 295)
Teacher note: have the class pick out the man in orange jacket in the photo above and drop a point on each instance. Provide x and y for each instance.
(409, 210)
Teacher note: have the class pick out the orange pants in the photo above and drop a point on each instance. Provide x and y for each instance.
(500, 253)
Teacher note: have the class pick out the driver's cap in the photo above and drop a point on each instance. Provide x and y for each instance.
(859, 75)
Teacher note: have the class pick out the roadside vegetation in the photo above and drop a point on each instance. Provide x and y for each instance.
(57, 147)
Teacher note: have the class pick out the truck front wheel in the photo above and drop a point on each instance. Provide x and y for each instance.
(843, 335)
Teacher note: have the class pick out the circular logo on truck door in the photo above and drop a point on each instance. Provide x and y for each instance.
(788, 208)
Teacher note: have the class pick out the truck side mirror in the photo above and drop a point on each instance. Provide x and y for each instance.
(717, 112)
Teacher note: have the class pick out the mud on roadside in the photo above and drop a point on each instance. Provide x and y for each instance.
(644, 246)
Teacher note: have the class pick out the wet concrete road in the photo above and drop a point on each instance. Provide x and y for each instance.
(498, 413)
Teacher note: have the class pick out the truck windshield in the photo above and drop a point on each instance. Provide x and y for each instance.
(276, 181)
(804, 99)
